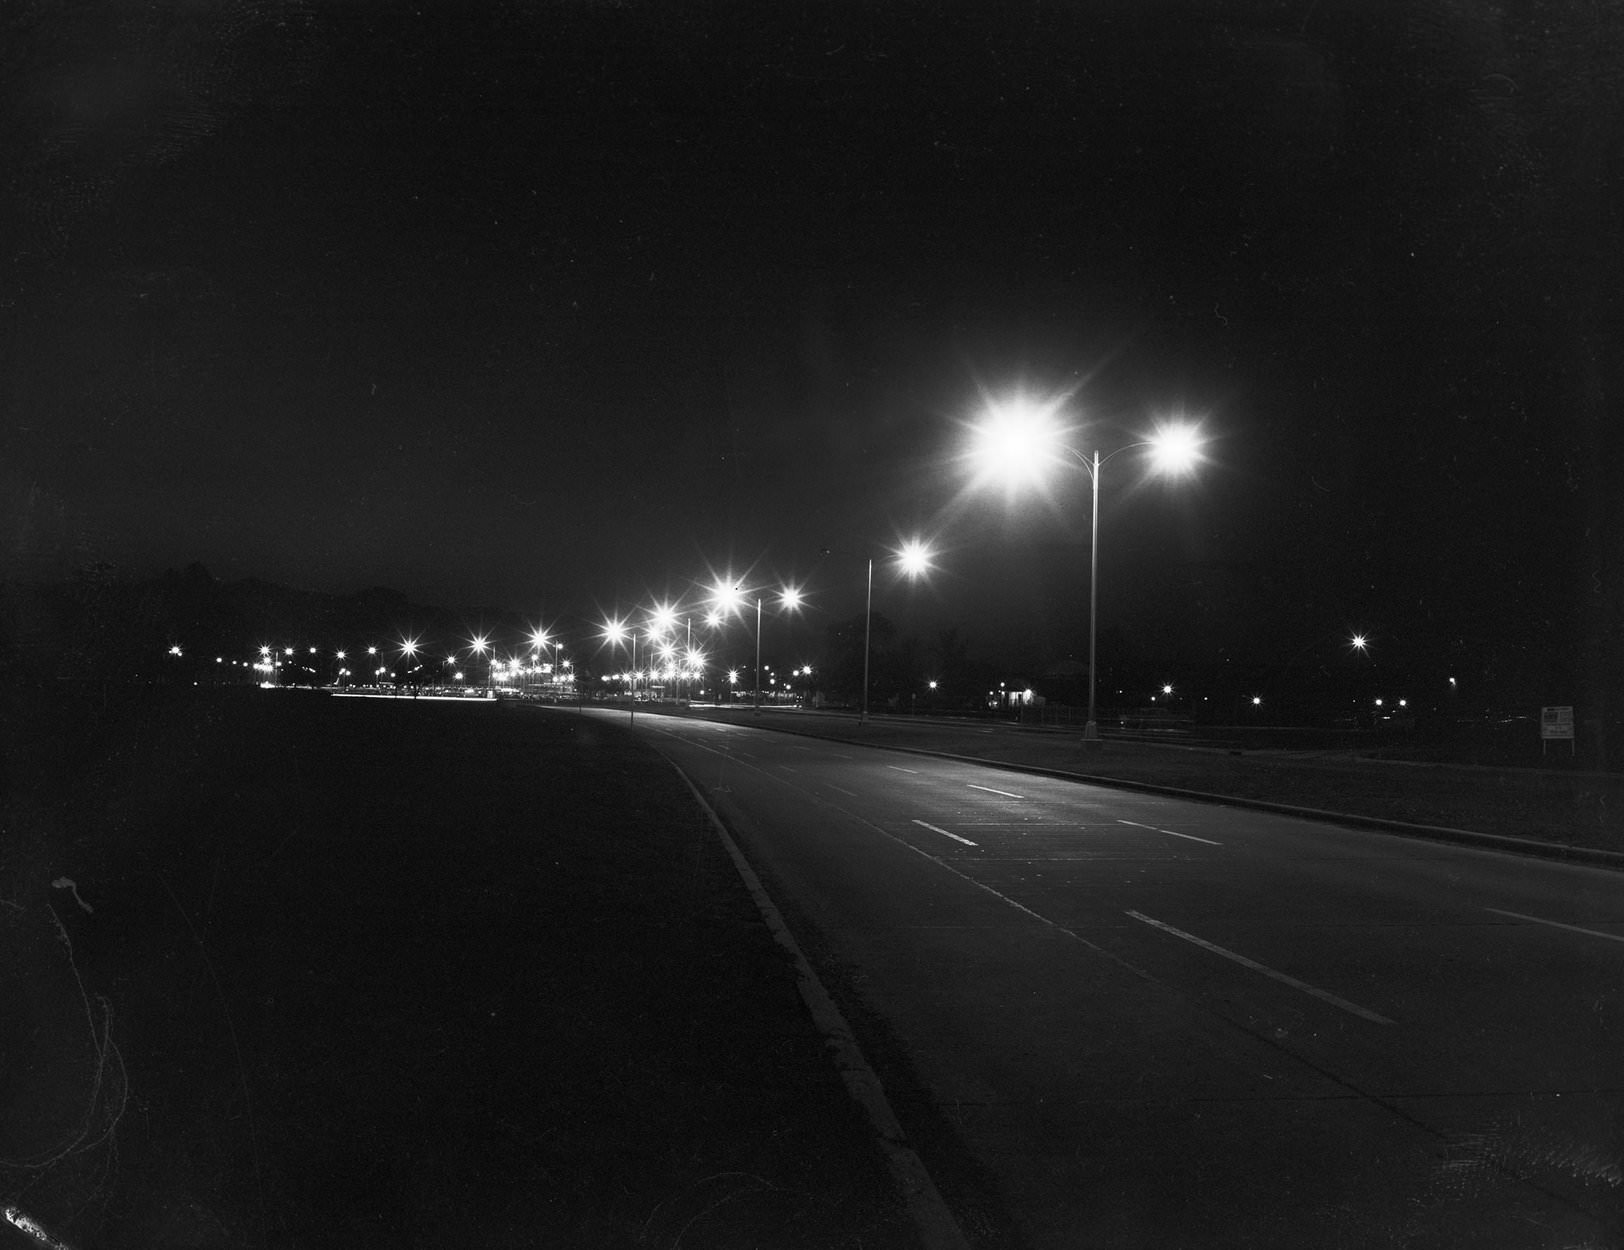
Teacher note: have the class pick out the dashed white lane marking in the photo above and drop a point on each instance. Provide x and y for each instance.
(972, 785)
(1325, 996)
(1169, 832)
(1557, 924)
(944, 833)
(896, 768)
(850, 794)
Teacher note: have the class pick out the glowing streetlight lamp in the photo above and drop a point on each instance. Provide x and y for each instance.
(408, 652)
(482, 644)
(662, 619)
(540, 639)
(615, 632)
(1019, 442)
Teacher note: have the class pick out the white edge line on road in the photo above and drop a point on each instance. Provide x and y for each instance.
(972, 785)
(1188, 836)
(944, 833)
(895, 768)
(1557, 924)
(1324, 996)
(937, 1228)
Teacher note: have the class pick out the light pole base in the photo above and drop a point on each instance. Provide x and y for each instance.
(1091, 736)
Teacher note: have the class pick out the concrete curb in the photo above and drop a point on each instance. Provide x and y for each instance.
(1438, 833)
(928, 1211)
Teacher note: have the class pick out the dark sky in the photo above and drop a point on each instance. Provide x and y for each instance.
(565, 306)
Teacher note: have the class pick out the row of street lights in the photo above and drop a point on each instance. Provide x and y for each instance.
(272, 660)
(1017, 444)
(729, 599)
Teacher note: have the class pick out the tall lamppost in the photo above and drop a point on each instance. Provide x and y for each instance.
(616, 632)
(662, 623)
(1019, 441)
(539, 640)
(729, 598)
(408, 652)
(480, 645)
(913, 559)
(789, 598)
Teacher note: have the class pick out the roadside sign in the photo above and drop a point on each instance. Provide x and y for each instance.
(1556, 722)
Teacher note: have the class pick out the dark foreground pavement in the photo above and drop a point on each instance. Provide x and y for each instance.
(284, 970)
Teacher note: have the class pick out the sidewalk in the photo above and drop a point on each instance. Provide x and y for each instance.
(381, 974)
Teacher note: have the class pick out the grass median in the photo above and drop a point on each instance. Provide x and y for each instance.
(370, 972)
(1554, 806)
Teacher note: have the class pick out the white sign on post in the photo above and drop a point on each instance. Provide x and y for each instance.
(1556, 723)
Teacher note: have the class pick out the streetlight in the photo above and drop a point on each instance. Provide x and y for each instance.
(913, 558)
(408, 651)
(615, 632)
(663, 621)
(729, 598)
(539, 639)
(481, 644)
(1020, 441)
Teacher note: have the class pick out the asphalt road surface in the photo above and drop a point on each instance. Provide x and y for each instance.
(1156, 1022)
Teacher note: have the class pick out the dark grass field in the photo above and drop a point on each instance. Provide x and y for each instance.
(370, 973)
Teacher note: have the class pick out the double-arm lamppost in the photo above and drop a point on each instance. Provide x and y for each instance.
(730, 598)
(1020, 441)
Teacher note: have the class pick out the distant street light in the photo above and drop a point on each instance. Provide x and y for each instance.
(481, 644)
(662, 619)
(408, 651)
(615, 632)
(914, 560)
(728, 599)
(1018, 442)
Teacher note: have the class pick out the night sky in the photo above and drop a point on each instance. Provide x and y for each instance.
(567, 307)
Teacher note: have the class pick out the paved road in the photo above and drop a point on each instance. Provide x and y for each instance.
(1154, 1022)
